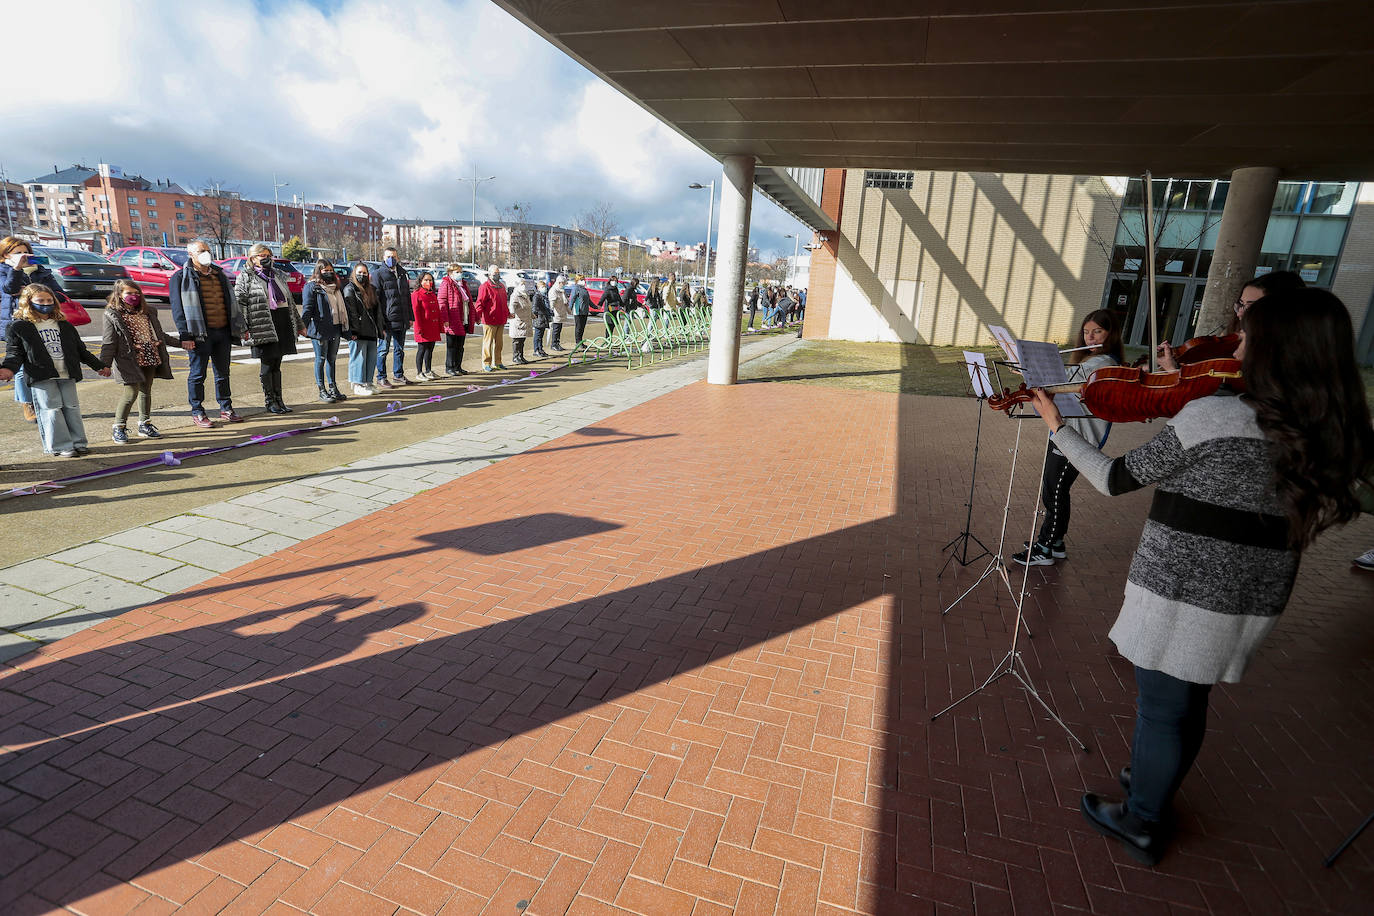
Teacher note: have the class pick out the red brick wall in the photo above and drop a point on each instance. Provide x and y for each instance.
(821, 291)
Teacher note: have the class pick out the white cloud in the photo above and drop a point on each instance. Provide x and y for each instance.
(359, 102)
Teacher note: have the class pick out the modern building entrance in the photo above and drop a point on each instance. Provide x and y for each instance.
(1179, 303)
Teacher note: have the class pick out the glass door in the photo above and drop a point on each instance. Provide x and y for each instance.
(1170, 299)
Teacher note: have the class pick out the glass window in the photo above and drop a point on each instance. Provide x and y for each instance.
(1182, 230)
(1278, 235)
(1289, 196)
(133, 200)
(1219, 195)
(1320, 235)
(1199, 193)
(195, 205)
(181, 203)
(888, 180)
(131, 213)
(1335, 198)
(152, 213)
(1178, 195)
(1315, 269)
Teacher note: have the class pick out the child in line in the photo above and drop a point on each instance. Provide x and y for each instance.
(45, 345)
(133, 342)
(424, 302)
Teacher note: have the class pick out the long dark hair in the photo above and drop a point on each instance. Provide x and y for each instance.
(318, 275)
(1106, 320)
(1301, 377)
(1274, 283)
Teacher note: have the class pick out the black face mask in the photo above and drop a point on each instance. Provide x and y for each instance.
(327, 275)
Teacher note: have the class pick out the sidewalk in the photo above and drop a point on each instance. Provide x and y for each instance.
(53, 596)
(682, 660)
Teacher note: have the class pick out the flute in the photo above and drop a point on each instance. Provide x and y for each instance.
(1076, 349)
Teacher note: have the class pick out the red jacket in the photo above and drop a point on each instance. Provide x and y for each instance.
(491, 305)
(455, 308)
(428, 324)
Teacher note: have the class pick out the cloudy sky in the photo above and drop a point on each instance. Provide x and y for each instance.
(353, 101)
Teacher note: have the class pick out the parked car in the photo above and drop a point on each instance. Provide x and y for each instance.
(83, 274)
(150, 267)
(596, 288)
(295, 281)
(305, 268)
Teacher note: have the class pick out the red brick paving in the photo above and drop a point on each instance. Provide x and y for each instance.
(702, 686)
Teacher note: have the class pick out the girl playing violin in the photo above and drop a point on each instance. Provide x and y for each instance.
(1272, 283)
(1244, 483)
(1102, 334)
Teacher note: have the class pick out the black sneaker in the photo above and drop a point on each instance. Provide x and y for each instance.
(148, 431)
(1056, 549)
(1035, 555)
(120, 434)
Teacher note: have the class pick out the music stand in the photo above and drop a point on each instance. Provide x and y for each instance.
(1012, 663)
(980, 386)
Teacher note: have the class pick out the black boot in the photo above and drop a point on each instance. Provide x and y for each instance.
(269, 393)
(518, 345)
(555, 341)
(539, 343)
(276, 388)
(338, 395)
(325, 395)
(1144, 840)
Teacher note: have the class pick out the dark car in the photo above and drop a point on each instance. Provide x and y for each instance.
(295, 280)
(83, 274)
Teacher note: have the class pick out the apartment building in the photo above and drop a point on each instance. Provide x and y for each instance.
(14, 206)
(532, 244)
(55, 200)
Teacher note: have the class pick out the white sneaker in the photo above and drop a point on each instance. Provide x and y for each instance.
(1365, 560)
(362, 391)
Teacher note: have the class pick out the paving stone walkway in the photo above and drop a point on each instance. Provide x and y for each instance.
(46, 599)
(702, 684)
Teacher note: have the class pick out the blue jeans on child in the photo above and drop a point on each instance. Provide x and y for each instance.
(59, 415)
(1170, 723)
(22, 394)
(362, 361)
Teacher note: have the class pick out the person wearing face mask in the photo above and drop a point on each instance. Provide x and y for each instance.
(203, 312)
(424, 303)
(543, 316)
(326, 322)
(132, 341)
(455, 313)
(393, 289)
(493, 310)
(41, 343)
(522, 318)
(364, 327)
(558, 301)
(270, 321)
(580, 304)
(17, 270)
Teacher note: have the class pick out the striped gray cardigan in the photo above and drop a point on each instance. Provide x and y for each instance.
(1213, 569)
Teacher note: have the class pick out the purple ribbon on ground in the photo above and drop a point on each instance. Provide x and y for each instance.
(174, 459)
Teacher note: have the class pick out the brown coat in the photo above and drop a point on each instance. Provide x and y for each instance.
(117, 347)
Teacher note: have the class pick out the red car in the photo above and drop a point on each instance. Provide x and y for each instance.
(295, 279)
(150, 267)
(596, 288)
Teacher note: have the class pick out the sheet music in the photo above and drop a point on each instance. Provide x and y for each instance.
(1043, 367)
(978, 374)
(1005, 341)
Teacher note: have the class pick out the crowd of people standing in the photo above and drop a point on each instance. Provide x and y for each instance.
(366, 312)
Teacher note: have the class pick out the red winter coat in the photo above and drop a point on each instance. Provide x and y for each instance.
(455, 307)
(491, 305)
(428, 324)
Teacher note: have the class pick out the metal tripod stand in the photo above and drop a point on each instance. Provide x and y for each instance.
(962, 539)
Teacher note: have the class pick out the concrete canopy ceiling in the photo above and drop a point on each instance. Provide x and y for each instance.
(1092, 87)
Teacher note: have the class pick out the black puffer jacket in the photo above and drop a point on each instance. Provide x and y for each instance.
(252, 300)
(543, 312)
(24, 349)
(363, 322)
(393, 288)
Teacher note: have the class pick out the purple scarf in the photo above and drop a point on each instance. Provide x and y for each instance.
(273, 291)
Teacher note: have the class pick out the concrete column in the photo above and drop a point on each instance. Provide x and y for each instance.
(732, 246)
(1243, 220)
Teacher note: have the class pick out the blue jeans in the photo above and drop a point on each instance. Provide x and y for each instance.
(213, 350)
(1170, 723)
(393, 342)
(59, 415)
(326, 351)
(362, 361)
(22, 393)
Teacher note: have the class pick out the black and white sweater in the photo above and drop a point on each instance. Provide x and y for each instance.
(1213, 569)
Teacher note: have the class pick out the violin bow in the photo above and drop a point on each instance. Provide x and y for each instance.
(1150, 268)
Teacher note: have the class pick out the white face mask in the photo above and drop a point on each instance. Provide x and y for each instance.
(204, 259)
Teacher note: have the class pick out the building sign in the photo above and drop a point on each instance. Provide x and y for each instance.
(1309, 275)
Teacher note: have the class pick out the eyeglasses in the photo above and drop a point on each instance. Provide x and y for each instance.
(1241, 305)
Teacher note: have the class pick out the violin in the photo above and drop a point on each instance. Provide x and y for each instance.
(1125, 394)
(1197, 349)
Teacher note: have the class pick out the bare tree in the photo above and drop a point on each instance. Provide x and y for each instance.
(597, 224)
(223, 226)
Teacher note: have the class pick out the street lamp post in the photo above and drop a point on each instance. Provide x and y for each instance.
(475, 182)
(792, 265)
(276, 203)
(710, 218)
